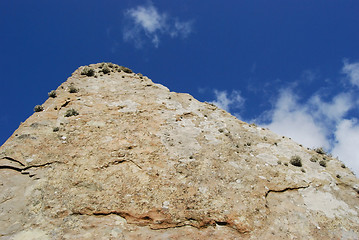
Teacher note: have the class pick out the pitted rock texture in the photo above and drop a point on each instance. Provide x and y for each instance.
(141, 162)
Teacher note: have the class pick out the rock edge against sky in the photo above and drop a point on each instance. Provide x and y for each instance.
(115, 155)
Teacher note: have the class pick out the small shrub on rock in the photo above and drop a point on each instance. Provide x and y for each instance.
(88, 71)
(72, 89)
(125, 69)
(106, 69)
(52, 94)
(314, 159)
(71, 112)
(38, 108)
(319, 150)
(296, 161)
(322, 163)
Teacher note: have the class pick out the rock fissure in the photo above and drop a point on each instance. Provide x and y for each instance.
(116, 162)
(22, 169)
(13, 160)
(41, 165)
(65, 104)
(285, 189)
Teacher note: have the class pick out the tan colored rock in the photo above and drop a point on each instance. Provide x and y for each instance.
(141, 162)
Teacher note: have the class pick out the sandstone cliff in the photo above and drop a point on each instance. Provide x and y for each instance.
(115, 156)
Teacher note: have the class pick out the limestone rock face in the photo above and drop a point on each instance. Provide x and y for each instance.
(141, 162)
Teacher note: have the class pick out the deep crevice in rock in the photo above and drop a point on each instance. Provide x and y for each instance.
(13, 160)
(23, 169)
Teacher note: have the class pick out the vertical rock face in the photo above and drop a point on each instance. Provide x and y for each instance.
(115, 156)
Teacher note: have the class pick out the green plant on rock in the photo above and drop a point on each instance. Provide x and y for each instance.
(322, 163)
(88, 71)
(296, 161)
(38, 108)
(71, 112)
(73, 89)
(320, 150)
(314, 159)
(106, 69)
(125, 69)
(52, 94)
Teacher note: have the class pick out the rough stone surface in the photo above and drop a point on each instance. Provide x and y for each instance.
(141, 162)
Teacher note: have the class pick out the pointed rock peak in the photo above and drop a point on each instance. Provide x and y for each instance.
(110, 154)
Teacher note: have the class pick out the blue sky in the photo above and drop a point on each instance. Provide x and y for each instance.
(292, 66)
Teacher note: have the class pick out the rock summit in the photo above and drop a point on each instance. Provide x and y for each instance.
(112, 155)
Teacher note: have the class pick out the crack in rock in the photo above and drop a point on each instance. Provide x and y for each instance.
(283, 190)
(22, 168)
(65, 104)
(13, 160)
(116, 162)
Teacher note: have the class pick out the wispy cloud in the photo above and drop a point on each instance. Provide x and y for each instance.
(228, 102)
(146, 22)
(352, 72)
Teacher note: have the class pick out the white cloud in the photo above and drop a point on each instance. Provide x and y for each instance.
(147, 17)
(148, 22)
(228, 101)
(346, 146)
(181, 28)
(316, 122)
(352, 72)
(290, 118)
(334, 110)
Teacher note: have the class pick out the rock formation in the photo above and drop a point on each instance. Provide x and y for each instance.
(111, 155)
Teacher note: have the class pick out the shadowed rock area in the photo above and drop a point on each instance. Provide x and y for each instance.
(115, 156)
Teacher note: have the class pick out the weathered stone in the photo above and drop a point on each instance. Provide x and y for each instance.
(141, 162)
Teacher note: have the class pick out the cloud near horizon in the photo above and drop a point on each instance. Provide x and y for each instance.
(315, 122)
(146, 22)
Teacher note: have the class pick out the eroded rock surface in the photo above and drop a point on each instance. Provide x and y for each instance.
(141, 162)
